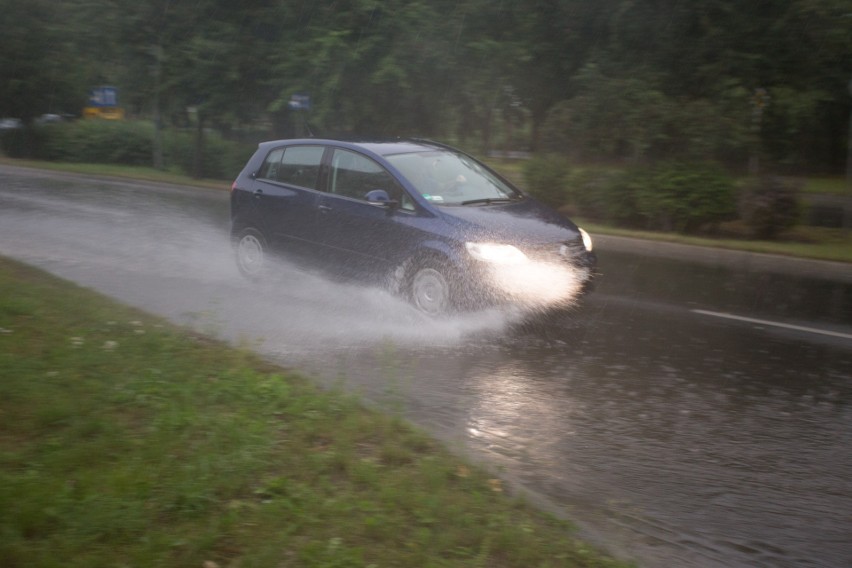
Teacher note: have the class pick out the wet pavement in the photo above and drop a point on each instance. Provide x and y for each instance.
(694, 411)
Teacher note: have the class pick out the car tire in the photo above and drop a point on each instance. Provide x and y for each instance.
(431, 290)
(251, 249)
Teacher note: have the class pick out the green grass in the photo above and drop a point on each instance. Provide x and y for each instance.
(827, 186)
(119, 171)
(125, 441)
(804, 242)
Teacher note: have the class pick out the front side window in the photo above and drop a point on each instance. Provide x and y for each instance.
(294, 165)
(354, 175)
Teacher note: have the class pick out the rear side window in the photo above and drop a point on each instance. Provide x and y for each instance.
(294, 165)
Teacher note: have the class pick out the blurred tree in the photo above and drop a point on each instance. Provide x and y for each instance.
(560, 37)
(36, 61)
(490, 50)
(193, 62)
(630, 79)
(770, 205)
(376, 68)
(799, 50)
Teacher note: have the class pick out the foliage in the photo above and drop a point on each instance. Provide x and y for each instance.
(222, 159)
(98, 141)
(630, 119)
(21, 142)
(127, 441)
(789, 136)
(598, 193)
(609, 118)
(38, 63)
(680, 196)
(631, 80)
(545, 177)
(770, 205)
(607, 194)
(684, 197)
(126, 143)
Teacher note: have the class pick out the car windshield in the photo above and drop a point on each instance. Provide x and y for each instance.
(447, 178)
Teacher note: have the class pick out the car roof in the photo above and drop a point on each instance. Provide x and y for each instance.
(380, 147)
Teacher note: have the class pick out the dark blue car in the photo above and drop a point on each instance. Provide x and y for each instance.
(424, 219)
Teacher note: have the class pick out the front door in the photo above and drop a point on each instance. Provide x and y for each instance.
(360, 237)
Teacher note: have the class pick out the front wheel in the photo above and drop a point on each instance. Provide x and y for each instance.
(430, 291)
(251, 252)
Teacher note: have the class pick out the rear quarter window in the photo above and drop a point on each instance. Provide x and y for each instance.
(270, 167)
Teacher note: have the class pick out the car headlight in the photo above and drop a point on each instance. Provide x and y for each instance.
(587, 239)
(496, 253)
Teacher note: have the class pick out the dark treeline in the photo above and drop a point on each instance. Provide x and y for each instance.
(601, 81)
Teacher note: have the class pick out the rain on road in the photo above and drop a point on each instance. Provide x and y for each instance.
(686, 414)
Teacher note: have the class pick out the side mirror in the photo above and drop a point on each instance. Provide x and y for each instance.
(381, 197)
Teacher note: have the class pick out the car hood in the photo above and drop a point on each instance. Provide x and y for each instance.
(522, 222)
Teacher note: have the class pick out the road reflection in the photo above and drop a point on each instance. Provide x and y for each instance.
(684, 442)
(509, 412)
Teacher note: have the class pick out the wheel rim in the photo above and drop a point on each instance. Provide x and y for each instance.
(250, 255)
(430, 291)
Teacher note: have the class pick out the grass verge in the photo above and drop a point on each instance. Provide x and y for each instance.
(816, 243)
(835, 185)
(118, 171)
(125, 441)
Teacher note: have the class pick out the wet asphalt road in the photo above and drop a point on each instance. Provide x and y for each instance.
(694, 414)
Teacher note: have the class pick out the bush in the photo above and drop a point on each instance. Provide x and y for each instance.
(222, 159)
(21, 142)
(684, 197)
(545, 178)
(603, 194)
(129, 143)
(770, 205)
(99, 142)
(595, 193)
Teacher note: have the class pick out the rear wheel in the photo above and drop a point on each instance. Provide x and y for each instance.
(431, 291)
(251, 252)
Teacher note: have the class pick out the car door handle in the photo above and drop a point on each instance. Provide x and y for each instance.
(258, 193)
(325, 208)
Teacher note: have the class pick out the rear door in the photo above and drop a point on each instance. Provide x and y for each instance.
(285, 193)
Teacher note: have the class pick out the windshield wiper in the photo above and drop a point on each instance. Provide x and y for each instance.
(488, 200)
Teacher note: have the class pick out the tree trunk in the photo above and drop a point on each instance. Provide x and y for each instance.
(157, 148)
(198, 167)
